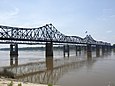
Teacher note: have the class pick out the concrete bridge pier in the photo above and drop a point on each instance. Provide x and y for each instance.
(49, 63)
(66, 50)
(97, 50)
(108, 48)
(13, 60)
(49, 50)
(79, 48)
(89, 51)
(85, 48)
(103, 49)
(13, 49)
(76, 47)
(93, 48)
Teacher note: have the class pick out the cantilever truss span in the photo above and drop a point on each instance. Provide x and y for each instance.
(47, 33)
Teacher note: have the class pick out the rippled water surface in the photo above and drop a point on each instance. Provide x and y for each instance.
(98, 72)
(72, 71)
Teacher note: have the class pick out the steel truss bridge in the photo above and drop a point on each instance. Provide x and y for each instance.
(47, 33)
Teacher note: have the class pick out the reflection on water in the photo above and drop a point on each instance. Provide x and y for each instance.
(96, 72)
(54, 70)
(49, 63)
(72, 71)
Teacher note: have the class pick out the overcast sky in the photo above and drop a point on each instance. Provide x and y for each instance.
(71, 17)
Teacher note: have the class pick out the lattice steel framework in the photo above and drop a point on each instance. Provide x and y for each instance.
(47, 33)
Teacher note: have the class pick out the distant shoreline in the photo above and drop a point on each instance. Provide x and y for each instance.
(24, 48)
(30, 48)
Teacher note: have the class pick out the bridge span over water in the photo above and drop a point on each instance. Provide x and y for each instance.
(47, 35)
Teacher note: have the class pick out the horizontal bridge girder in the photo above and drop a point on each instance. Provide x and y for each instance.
(47, 33)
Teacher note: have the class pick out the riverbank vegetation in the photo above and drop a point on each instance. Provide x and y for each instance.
(113, 45)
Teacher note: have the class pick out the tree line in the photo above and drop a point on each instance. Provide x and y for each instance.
(113, 45)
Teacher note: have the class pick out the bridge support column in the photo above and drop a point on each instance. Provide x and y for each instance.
(89, 51)
(49, 49)
(85, 48)
(79, 50)
(76, 49)
(108, 48)
(103, 49)
(13, 49)
(66, 49)
(93, 48)
(49, 63)
(97, 50)
(13, 60)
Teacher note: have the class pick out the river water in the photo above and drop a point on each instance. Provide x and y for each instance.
(72, 71)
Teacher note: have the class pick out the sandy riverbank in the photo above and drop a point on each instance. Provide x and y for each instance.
(6, 81)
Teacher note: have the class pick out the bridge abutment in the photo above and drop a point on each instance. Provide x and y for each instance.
(49, 49)
(66, 50)
(13, 49)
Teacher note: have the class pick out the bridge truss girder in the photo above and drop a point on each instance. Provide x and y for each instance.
(47, 33)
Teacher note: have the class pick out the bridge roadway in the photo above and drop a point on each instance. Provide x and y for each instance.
(47, 35)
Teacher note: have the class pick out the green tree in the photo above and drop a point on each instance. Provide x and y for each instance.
(113, 45)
